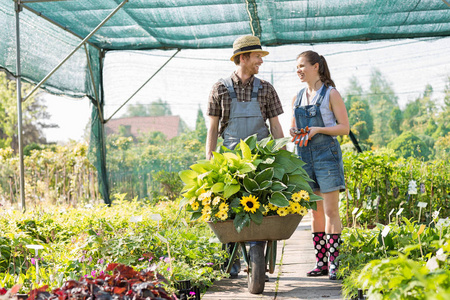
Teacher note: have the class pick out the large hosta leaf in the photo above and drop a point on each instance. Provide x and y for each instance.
(250, 185)
(279, 199)
(230, 190)
(188, 176)
(257, 217)
(267, 174)
(218, 187)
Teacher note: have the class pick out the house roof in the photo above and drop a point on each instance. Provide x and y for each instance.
(168, 125)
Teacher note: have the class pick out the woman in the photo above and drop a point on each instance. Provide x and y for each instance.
(320, 108)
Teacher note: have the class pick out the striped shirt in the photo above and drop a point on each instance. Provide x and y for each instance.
(220, 101)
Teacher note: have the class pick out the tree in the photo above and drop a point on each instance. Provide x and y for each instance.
(408, 144)
(382, 101)
(33, 115)
(200, 126)
(396, 121)
(154, 109)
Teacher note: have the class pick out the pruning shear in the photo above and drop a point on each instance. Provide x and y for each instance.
(301, 136)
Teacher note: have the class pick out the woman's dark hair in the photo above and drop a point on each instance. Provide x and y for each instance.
(324, 72)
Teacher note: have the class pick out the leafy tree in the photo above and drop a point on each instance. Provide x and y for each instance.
(154, 109)
(33, 115)
(410, 145)
(382, 101)
(396, 121)
(200, 126)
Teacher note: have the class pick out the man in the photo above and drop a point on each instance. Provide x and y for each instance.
(236, 119)
(239, 105)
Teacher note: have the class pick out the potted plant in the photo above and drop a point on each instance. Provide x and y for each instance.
(255, 180)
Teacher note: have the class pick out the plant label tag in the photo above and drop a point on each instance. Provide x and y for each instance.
(376, 201)
(412, 187)
(161, 238)
(385, 231)
(360, 212)
(136, 219)
(422, 204)
(358, 194)
(399, 211)
(156, 217)
(35, 247)
(355, 210)
(391, 212)
(184, 222)
(432, 264)
(421, 229)
(349, 196)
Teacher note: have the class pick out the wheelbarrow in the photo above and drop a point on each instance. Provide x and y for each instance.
(272, 229)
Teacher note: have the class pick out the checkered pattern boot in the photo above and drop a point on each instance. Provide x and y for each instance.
(320, 246)
(333, 243)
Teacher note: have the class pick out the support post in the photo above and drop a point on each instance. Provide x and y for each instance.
(18, 9)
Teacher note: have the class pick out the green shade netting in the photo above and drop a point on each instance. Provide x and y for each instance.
(51, 29)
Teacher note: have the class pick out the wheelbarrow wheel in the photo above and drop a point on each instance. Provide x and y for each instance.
(257, 269)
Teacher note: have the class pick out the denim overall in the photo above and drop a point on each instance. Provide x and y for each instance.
(245, 120)
(245, 117)
(322, 155)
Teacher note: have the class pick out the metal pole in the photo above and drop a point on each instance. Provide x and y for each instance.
(76, 49)
(18, 8)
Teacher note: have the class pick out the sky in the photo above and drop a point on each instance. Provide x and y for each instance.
(186, 81)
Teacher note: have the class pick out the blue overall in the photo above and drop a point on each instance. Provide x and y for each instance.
(322, 155)
(245, 117)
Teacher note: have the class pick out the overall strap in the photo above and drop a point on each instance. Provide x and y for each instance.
(228, 83)
(256, 87)
(299, 97)
(321, 96)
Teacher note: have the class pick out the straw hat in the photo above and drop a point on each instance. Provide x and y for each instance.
(247, 43)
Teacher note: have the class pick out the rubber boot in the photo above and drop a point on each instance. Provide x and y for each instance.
(333, 244)
(319, 242)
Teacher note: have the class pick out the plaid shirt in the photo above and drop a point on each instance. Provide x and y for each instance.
(220, 101)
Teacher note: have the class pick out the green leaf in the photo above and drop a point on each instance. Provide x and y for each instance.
(230, 190)
(250, 185)
(265, 185)
(218, 187)
(240, 221)
(251, 141)
(267, 174)
(257, 217)
(278, 199)
(196, 216)
(246, 168)
(188, 176)
(246, 152)
(278, 186)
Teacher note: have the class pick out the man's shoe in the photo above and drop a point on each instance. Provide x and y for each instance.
(317, 272)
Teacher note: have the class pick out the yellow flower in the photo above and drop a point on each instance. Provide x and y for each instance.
(204, 195)
(283, 211)
(303, 211)
(205, 217)
(250, 203)
(272, 207)
(223, 206)
(192, 200)
(206, 201)
(304, 195)
(206, 210)
(195, 205)
(295, 207)
(296, 197)
(216, 200)
(266, 209)
(223, 215)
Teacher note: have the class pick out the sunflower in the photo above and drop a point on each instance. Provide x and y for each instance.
(222, 214)
(250, 203)
(223, 206)
(195, 205)
(303, 211)
(283, 211)
(296, 197)
(216, 200)
(304, 195)
(295, 207)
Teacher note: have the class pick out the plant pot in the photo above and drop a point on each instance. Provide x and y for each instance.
(272, 228)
